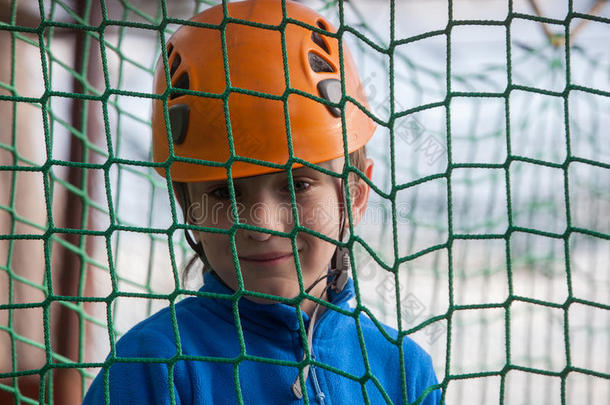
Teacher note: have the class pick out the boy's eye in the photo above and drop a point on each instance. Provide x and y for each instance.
(222, 193)
(300, 185)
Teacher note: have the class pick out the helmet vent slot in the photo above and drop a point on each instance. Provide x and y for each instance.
(319, 64)
(178, 121)
(330, 89)
(174, 66)
(320, 23)
(181, 83)
(170, 48)
(317, 38)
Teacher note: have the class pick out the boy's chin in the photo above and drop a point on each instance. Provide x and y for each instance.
(277, 283)
(277, 288)
(282, 291)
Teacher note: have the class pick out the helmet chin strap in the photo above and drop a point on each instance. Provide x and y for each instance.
(197, 247)
(183, 200)
(340, 264)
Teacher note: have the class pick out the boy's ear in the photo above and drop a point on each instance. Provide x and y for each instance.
(360, 193)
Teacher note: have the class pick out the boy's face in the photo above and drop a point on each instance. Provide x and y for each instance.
(266, 260)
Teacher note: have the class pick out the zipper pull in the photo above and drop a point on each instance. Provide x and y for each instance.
(316, 385)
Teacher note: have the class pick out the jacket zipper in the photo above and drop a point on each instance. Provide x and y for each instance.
(320, 396)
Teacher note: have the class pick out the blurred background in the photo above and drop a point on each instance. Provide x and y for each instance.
(493, 254)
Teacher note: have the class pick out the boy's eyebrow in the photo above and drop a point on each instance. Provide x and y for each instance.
(305, 169)
(214, 183)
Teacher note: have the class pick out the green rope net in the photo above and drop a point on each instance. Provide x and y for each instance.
(487, 234)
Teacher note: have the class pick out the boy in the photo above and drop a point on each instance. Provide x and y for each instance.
(271, 325)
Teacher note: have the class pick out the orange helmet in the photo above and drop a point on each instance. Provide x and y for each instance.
(251, 80)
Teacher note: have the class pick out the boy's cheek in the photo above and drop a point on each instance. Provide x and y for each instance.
(215, 244)
(218, 215)
(321, 218)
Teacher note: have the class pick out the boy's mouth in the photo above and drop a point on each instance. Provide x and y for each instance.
(267, 258)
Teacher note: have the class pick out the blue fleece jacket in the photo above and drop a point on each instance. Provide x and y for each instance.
(271, 339)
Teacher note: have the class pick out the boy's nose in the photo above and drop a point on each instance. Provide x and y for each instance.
(258, 236)
(269, 215)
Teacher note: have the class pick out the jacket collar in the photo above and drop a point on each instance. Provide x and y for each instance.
(261, 318)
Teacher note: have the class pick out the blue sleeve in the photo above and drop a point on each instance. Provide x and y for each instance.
(420, 375)
(132, 382)
(424, 379)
